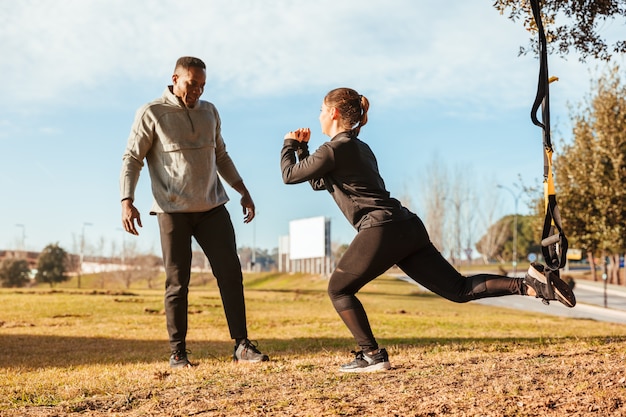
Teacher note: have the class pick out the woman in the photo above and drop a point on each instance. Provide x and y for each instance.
(388, 233)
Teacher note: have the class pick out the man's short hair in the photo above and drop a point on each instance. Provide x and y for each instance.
(189, 61)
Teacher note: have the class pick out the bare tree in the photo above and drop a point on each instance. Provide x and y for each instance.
(449, 209)
(462, 204)
(487, 207)
(125, 272)
(405, 197)
(491, 244)
(434, 185)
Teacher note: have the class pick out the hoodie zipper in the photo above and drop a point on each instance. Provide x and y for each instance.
(193, 129)
(182, 104)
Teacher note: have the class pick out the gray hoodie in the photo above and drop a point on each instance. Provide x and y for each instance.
(185, 152)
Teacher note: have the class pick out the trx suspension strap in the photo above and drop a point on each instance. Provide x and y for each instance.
(554, 242)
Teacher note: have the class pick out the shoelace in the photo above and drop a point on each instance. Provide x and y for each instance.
(179, 354)
(357, 355)
(250, 345)
(360, 355)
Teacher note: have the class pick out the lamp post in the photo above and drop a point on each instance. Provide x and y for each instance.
(23, 242)
(457, 202)
(515, 198)
(123, 251)
(82, 252)
(253, 259)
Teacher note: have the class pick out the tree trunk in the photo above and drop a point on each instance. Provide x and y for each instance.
(592, 265)
(613, 268)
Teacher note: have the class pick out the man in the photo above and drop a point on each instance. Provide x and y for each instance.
(179, 135)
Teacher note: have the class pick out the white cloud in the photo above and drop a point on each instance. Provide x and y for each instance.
(419, 58)
(393, 47)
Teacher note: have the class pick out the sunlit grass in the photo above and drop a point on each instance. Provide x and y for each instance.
(106, 351)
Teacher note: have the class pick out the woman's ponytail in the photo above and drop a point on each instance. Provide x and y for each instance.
(352, 107)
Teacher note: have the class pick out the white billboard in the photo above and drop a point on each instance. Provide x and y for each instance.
(309, 238)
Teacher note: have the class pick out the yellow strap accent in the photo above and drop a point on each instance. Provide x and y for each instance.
(548, 182)
(549, 179)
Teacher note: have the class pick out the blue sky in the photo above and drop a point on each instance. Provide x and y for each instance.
(443, 78)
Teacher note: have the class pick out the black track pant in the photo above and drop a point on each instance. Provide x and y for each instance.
(214, 233)
(406, 244)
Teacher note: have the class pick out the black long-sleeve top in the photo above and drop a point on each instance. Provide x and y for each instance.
(347, 168)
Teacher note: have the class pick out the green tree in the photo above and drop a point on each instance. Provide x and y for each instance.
(263, 259)
(491, 243)
(571, 25)
(52, 265)
(590, 173)
(14, 273)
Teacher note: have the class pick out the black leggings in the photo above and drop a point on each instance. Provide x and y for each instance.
(406, 244)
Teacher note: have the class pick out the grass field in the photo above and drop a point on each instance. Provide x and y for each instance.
(98, 352)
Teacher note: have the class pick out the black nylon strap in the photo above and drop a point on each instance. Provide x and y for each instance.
(543, 85)
(554, 243)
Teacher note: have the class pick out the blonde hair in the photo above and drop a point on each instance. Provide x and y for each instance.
(352, 107)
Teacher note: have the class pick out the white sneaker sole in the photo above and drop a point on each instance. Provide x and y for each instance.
(538, 275)
(381, 366)
(561, 297)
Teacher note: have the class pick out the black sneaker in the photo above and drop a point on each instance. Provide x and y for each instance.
(246, 351)
(366, 363)
(178, 359)
(536, 279)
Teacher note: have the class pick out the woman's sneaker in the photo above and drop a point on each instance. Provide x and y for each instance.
(246, 351)
(537, 280)
(367, 363)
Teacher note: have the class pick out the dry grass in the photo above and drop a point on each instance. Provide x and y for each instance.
(97, 353)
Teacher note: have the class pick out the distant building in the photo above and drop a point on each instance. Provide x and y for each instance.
(31, 257)
(90, 264)
(307, 248)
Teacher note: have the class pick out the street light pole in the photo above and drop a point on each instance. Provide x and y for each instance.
(515, 199)
(253, 259)
(23, 242)
(82, 252)
(123, 252)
